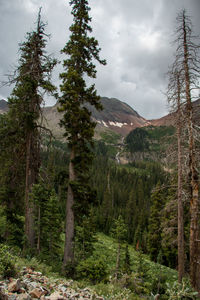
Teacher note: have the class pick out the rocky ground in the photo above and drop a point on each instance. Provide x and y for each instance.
(33, 285)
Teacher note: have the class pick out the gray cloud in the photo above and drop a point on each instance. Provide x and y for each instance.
(134, 36)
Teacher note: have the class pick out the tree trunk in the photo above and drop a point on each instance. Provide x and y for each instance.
(39, 230)
(29, 208)
(181, 263)
(69, 228)
(117, 261)
(193, 176)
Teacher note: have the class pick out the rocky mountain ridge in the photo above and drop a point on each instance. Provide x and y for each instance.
(116, 116)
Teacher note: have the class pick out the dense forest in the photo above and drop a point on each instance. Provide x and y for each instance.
(68, 204)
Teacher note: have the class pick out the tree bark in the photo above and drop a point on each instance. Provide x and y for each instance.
(193, 176)
(29, 208)
(181, 261)
(117, 261)
(69, 228)
(39, 230)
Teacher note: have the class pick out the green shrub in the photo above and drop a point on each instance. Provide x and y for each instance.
(7, 262)
(178, 291)
(92, 269)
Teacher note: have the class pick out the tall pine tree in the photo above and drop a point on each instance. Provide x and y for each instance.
(32, 80)
(81, 50)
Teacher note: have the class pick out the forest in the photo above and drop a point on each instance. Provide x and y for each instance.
(68, 208)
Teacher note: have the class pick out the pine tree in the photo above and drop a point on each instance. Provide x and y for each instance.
(119, 231)
(12, 173)
(154, 233)
(168, 226)
(47, 221)
(81, 49)
(131, 216)
(32, 80)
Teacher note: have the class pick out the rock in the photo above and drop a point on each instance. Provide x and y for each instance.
(37, 273)
(36, 293)
(24, 296)
(22, 291)
(3, 295)
(12, 296)
(62, 288)
(55, 296)
(31, 285)
(14, 286)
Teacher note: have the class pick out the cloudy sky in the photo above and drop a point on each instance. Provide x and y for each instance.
(134, 36)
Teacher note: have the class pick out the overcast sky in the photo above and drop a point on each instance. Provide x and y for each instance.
(134, 36)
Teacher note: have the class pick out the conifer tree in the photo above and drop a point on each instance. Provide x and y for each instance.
(168, 226)
(154, 233)
(12, 185)
(47, 221)
(81, 50)
(32, 80)
(119, 231)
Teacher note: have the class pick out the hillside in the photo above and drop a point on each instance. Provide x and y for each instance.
(169, 119)
(3, 106)
(116, 116)
(32, 279)
(148, 143)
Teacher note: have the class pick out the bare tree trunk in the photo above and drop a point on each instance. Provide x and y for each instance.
(29, 208)
(69, 228)
(181, 261)
(194, 201)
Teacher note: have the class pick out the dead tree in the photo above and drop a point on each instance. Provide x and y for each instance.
(174, 94)
(187, 62)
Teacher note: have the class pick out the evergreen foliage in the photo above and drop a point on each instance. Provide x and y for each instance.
(150, 139)
(133, 203)
(81, 50)
(48, 222)
(154, 228)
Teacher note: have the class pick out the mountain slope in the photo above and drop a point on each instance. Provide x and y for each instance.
(3, 106)
(169, 119)
(116, 116)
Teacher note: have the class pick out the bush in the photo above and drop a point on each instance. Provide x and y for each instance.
(92, 269)
(181, 291)
(7, 262)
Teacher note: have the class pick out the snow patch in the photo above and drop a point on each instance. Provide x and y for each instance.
(104, 123)
(117, 124)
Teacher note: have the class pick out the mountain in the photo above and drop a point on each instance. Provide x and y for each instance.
(168, 120)
(116, 116)
(3, 106)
